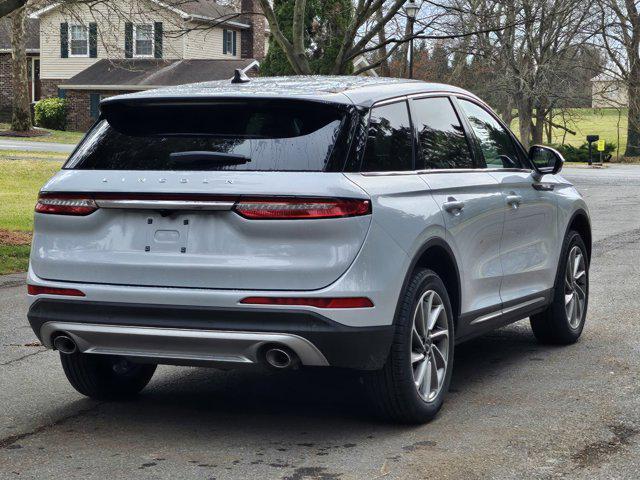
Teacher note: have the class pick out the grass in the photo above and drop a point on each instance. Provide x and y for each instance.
(14, 258)
(22, 174)
(55, 136)
(590, 121)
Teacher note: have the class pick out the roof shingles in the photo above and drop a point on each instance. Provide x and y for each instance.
(153, 72)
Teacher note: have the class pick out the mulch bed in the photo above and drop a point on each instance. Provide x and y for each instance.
(9, 237)
(36, 132)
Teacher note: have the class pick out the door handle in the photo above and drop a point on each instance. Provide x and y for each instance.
(514, 200)
(453, 206)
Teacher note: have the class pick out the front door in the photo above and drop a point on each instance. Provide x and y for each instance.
(470, 201)
(527, 250)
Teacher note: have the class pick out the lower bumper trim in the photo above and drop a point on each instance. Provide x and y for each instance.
(361, 348)
(174, 344)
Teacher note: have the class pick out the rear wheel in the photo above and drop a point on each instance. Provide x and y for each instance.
(412, 384)
(105, 377)
(563, 321)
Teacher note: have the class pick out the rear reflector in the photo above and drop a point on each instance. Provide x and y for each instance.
(339, 302)
(64, 204)
(38, 290)
(301, 208)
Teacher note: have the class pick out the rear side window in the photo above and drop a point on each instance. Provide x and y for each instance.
(440, 134)
(233, 135)
(390, 139)
(495, 142)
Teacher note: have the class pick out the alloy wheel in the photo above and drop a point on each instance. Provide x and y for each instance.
(575, 287)
(429, 345)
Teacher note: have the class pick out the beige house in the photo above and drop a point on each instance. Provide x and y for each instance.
(608, 91)
(90, 51)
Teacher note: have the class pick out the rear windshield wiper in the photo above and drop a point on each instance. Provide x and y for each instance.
(213, 157)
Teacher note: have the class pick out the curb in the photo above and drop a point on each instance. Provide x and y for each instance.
(13, 280)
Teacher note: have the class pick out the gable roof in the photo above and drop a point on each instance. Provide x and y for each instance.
(32, 34)
(200, 10)
(144, 74)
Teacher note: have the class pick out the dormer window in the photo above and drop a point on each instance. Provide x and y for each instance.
(78, 41)
(143, 40)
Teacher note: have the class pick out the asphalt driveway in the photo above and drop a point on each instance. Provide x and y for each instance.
(516, 409)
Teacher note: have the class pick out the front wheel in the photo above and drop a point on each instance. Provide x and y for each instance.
(105, 377)
(411, 386)
(562, 322)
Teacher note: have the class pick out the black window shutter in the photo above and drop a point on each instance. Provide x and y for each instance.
(157, 39)
(93, 40)
(94, 105)
(234, 43)
(64, 40)
(224, 41)
(128, 40)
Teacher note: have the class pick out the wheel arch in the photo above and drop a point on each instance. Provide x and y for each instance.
(580, 223)
(437, 255)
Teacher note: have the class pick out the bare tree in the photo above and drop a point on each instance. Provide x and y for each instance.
(532, 54)
(620, 33)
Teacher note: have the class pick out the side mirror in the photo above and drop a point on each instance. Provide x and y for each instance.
(545, 160)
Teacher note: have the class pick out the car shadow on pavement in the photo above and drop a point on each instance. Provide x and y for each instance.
(239, 399)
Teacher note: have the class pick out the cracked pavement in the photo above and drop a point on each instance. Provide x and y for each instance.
(516, 409)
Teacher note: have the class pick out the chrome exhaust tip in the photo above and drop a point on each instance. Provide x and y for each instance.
(65, 344)
(280, 358)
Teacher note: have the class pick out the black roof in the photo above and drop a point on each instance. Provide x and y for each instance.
(152, 72)
(339, 89)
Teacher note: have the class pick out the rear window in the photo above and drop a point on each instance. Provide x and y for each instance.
(232, 135)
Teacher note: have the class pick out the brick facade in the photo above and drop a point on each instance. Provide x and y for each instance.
(49, 88)
(79, 114)
(254, 39)
(6, 85)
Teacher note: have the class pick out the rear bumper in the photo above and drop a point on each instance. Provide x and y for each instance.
(187, 334)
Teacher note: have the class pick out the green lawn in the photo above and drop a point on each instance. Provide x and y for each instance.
(56, 136)
(590, 121)
(21, 176)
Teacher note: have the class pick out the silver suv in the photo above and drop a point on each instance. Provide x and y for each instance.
(364, 223)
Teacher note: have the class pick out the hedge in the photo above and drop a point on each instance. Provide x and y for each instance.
(581, 153)
(51, 113)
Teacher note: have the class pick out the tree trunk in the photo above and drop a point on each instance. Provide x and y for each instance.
(537, 131)
(633, 128)
(405, 51)
(525, 115)
(21, 116)
(550, 127)
(385, 69)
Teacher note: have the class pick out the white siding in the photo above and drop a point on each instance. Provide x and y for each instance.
(202, 43)
(111, 26)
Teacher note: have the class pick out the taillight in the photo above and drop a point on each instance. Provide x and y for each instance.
(38, 290)
(336, 302)
(65, 204)
(300, 208)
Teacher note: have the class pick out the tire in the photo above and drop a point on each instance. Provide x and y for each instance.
(558, 324)
(105, 377)
(393, 389)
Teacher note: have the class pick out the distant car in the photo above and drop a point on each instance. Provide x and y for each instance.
(364, 223)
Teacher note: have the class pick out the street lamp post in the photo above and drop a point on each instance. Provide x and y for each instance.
(411, 9)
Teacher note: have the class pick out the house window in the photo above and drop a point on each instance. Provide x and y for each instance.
(143, 40)
(228, 37)
(78, 41)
